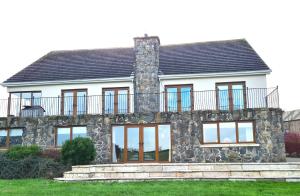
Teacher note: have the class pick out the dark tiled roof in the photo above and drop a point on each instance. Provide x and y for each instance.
(196, 58)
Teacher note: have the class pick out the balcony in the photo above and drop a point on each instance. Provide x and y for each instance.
(228, 100)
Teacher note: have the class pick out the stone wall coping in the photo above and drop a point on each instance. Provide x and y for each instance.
(227, 145)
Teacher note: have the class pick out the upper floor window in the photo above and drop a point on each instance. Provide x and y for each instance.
(21, 101)
(179, 98)
(231, 96)
(69, 133)
(115, 100)
(10, 137)
(228, 132)
(74, 102)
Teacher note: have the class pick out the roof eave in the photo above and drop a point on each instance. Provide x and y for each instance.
(57, 82)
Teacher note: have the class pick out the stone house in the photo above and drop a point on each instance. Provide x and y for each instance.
(198, 102)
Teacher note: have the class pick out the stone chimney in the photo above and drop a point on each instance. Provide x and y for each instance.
(146, 82)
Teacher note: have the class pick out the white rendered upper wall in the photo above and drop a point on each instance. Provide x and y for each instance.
(199, 84)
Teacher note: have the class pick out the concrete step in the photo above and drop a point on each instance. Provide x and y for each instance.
(142, 171)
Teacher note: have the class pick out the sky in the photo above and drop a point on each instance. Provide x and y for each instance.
(30, 29)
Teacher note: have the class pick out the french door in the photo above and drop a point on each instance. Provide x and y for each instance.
(141, 143)
(74, 102)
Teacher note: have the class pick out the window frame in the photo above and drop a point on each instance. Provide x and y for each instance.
(116, 102)
(75, 106)
(230, 97)
(71, 133)
(179, 86)
(236, 132)
(7, 141)
(141, 148)
(20, 106)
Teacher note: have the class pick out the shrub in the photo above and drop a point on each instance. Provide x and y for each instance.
(21, 152)
(80, 151)
(30, 167)
(292, 143)
(51, 154)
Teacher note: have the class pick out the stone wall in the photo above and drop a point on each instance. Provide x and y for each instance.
(186, 133)
(146, 81)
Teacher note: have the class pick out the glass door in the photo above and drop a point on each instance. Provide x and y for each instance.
(149, 144)
(133, 144)
(141, 143)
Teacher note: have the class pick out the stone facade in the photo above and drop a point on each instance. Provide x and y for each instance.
(186, 128)
(146, 81)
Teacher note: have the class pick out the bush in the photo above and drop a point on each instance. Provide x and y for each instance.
(51, 154)
(21, 152)
(292, 143)
(80, 151)
(30, 167)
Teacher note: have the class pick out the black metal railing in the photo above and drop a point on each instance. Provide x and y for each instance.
(234, 99)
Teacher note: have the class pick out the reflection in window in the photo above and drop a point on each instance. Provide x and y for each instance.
(230, 96)
(179, 98)
(223, 97)
(238, 96)
(122, 101)
(78, 132)
(3, 138)
(81, 102)
(164, 141)
(118, 144)
(15, 137)
(210, 133)
(186, 98)
(133, 143)
(245, 132)
(68, 103)
(149, 143)
(70, 97)
(227, 132)
(64, 134)
(116, 100)
(109, 101)
(20, 100)
(172, 99)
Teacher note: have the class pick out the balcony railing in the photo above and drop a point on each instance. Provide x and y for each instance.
(234, 99)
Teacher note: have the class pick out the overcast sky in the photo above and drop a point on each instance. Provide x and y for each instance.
(29, 29)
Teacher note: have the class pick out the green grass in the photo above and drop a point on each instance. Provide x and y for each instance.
(49, 187)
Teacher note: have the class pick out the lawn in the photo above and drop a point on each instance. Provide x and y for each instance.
(48, 187)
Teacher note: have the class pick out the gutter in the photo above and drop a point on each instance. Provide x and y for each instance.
(61, 82)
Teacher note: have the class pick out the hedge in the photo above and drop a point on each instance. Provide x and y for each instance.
(30, 167)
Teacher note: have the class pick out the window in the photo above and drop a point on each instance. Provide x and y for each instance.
(246, 133)
(231, 96)
(210, 133)
(10, 137)
(74, 102)
(68, 133)
(228, 132)
(179, 98)
(20, 100)
(115, 100)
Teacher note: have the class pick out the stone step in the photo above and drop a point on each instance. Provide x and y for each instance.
(171, 178)
(183, 167)
(152, 171)
(187, 174)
